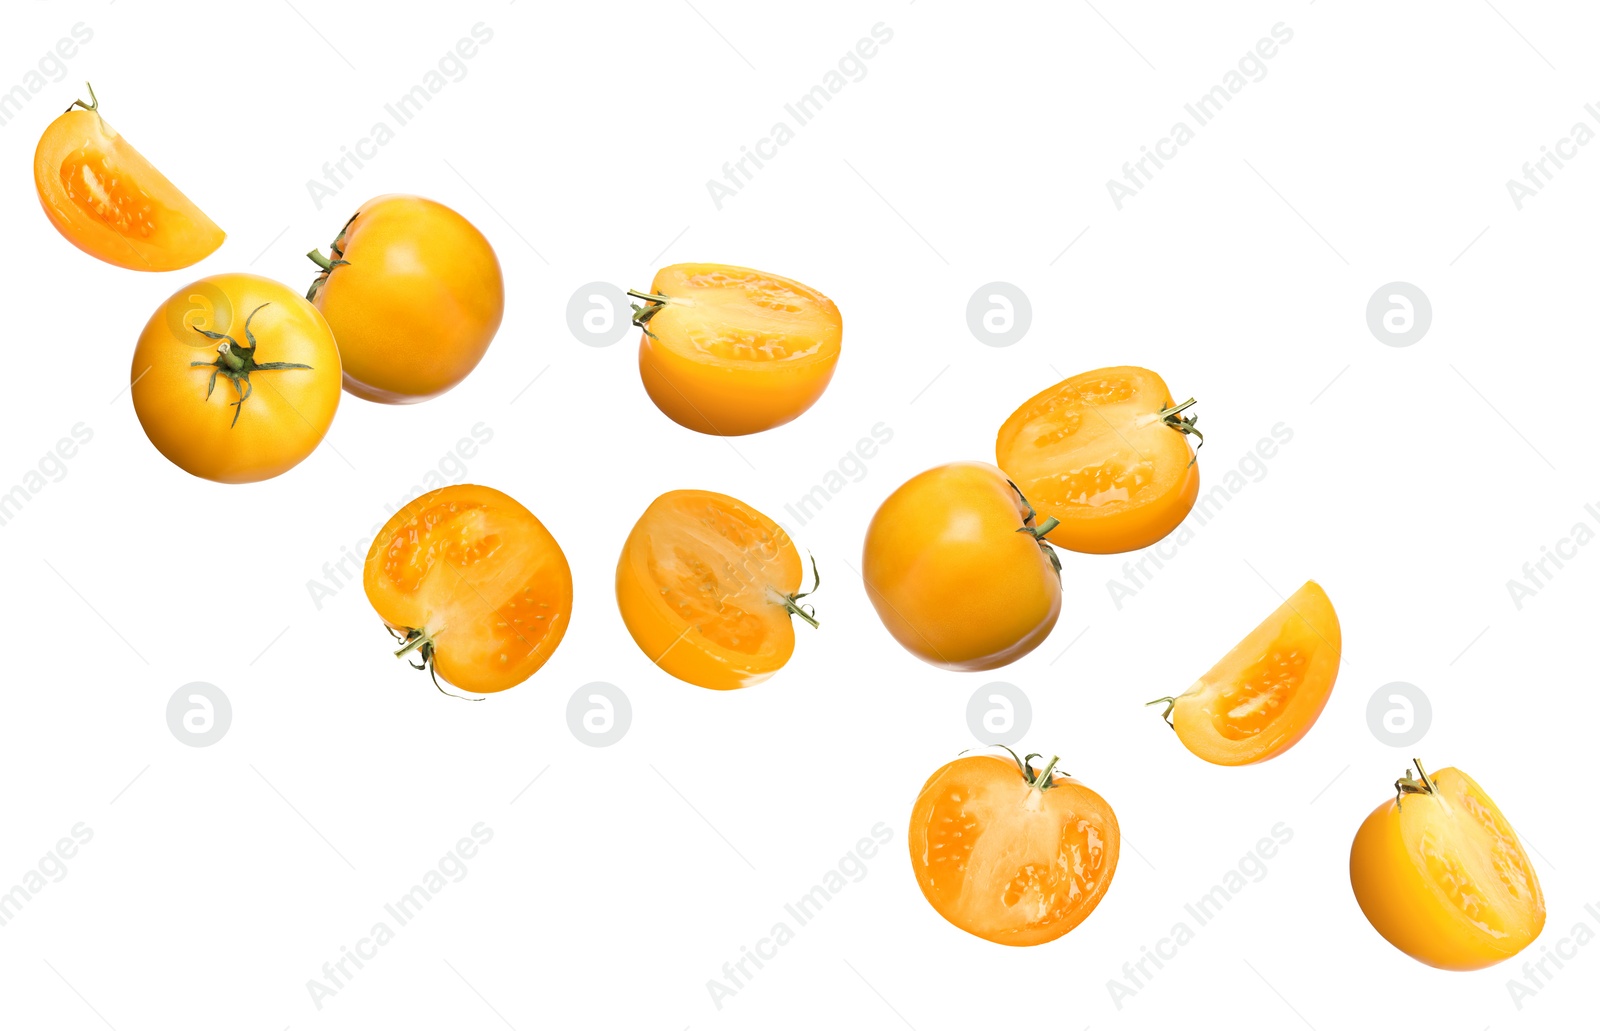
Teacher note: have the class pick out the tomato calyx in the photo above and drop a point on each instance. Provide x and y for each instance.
(1038, 531)
(1421, 784)
(643, 313)
(1166, 713)
(237, 363)
(93, 105)
(791, 602)
(327, 265)
(1175, 418)
(420, 641)
(1042, 778)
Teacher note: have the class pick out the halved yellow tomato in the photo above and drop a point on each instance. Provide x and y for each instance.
(1104, 452)
(108, 201)
(473, 585)
(1266, 693)
(1010, 853)
(1439, 872)
(707, 585)
(729, 350)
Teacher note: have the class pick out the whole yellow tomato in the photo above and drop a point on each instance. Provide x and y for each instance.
(1439, 872)
(959, 572)
(414, 295)
(235, 378)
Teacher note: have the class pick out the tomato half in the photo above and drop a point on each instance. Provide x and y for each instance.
(108, 201)
(235, 378)
(1264, 695)
(473, 586)
(707, 586)
(414, 295)
(1104, 452)
(959, 572)
(729, 350)
(1439, 872)
(1012, 854)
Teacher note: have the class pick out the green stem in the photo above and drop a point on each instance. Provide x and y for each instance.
(323, 263)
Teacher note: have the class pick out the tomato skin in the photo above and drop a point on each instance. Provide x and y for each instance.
(739, 555)
(1094, 452)
(1302, 636)
(288, 411)
(1388, 874)
(480, 576)
(418, 303)
(107, 200)
(1006, 860)
(699, 368)
(953, 576)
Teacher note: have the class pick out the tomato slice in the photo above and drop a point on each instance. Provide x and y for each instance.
(107, 200)
(707, 586)
(730, 351)
(1104, 452)
(474, 583)
(1264, 695)
(1439, 872)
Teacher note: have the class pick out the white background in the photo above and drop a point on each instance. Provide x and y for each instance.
(1419, 480)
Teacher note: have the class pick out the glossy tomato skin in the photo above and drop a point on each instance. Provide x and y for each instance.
(417, 303)
(288, 411)
(700, 586)
(1261, 698)
(108, 201)
(1418, 890)
(480, 578)
(953, 575)
(737, 351)
(1009, 861)
(1094, 452)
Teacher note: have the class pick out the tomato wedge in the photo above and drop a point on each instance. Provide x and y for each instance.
(108, 201)
(473, 585)
(1104, 452)
(707, 585)
(1264, 695)
(1439, 872)
(729, 350)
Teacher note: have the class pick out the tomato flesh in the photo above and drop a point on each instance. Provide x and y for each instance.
(1265, 694)
(481, 576)
(734, 351)
(703, 584)
(107, 200)
(1094, 452)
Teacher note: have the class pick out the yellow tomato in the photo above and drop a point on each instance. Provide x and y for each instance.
(1104, 452)
(235, 378)
(1439, 872)
(414, 295)
(108, 201)
(1264, 695)
(707, 586)
(959, 572)
(730, 351)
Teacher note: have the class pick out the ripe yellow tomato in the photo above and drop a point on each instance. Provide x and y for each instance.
(235, 378)
(1264, 695)
(108, 201)
(1439, 872)
(730, 351)
(959, 572)
(1104, 452)
(414, 295)
(472, 585)
(1012, 854)
(707, 586)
